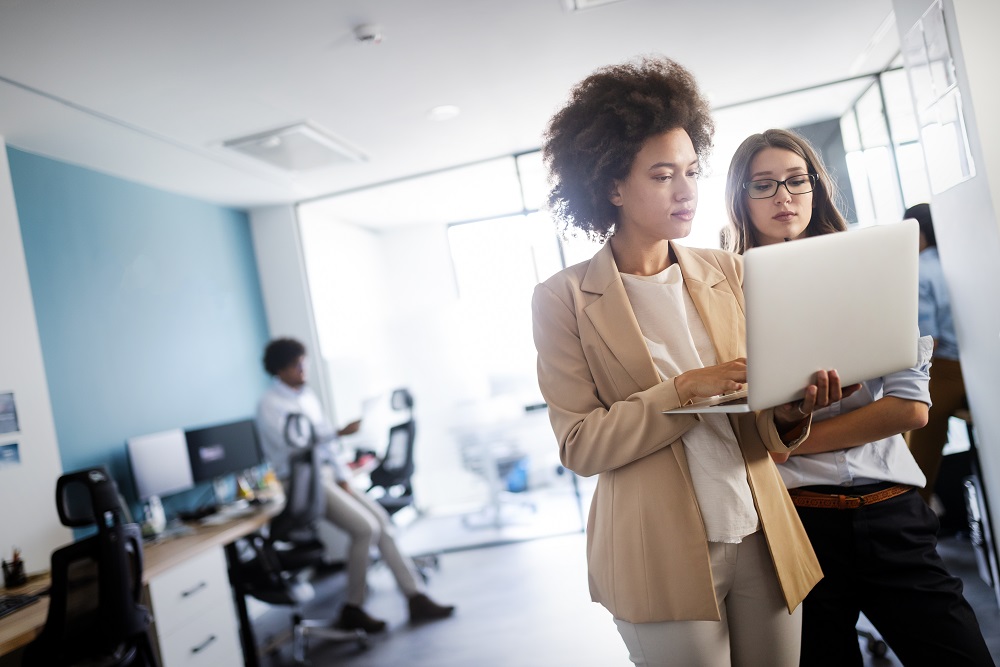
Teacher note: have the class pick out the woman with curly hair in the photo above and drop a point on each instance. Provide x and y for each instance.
(692, 542)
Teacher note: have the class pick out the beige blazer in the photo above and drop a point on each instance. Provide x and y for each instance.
(646, 545)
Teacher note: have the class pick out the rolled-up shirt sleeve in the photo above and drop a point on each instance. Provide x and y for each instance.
(913, 384)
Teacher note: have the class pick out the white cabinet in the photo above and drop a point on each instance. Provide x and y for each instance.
(194, 614)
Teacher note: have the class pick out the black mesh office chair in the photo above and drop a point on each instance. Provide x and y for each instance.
(95, 616)
(392, 478)
(394, 473)
(275, 565)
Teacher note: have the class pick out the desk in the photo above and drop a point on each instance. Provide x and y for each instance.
(19, 628)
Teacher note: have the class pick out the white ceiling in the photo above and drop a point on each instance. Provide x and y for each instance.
(148, 91)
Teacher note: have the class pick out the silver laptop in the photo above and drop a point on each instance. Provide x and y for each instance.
(846, 301)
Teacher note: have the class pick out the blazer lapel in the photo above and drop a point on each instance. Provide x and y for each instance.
(614, 320)
(715, 303)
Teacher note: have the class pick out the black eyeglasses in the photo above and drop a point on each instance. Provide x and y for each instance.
(768, 187)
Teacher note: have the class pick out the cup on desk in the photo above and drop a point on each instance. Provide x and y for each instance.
(155, 519)
(13, 573)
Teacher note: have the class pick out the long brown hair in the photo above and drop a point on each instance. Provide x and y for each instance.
(826, 218)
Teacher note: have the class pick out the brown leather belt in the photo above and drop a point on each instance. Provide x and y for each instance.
(803, 498)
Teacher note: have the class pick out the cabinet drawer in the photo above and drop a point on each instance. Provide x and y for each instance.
(187, 590)
(208, 640)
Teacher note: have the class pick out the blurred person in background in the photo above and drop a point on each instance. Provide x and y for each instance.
(947, 386)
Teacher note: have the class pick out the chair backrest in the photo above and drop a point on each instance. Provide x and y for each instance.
(304, 497)
(290, 541)
(95, 610)
(401, 399)
(396, 466)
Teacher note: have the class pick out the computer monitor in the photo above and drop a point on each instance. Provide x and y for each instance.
(226, 449)
(160, 463)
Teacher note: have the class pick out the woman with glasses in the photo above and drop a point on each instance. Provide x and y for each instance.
(854, 481)
(693, 544)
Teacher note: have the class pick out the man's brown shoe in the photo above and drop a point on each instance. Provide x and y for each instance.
(422, 608)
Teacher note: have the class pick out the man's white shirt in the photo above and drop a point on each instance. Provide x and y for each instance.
(279, 403)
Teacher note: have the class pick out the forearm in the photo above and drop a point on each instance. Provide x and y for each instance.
(596, 432)
(604, 439)
(885, 417)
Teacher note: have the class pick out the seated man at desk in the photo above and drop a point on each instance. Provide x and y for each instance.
(290, 411)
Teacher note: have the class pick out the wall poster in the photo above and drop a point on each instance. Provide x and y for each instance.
(8, 413)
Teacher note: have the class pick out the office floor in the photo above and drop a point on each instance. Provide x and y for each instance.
(519, 604)
(523, 604)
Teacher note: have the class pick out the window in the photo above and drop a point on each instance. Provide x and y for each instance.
(886, 164)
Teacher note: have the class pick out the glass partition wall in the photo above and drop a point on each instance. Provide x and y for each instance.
(426, 283)
(886, 163)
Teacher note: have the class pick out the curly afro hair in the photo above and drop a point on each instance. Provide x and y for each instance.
(593, 140)
(281, 353)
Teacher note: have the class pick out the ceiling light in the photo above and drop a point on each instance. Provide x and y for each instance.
(298, 147)
(443, 112)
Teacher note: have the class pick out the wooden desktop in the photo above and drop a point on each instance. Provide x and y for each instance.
(21, 627)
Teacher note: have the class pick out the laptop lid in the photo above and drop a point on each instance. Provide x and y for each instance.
(846, 301)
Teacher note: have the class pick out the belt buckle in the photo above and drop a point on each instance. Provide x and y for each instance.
(845, 502)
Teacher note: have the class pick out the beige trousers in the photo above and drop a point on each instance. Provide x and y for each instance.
(367, 524)
(756, 628)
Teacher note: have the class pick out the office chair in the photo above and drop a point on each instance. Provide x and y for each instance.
(95, 616)
(394, 472)
(276, 562)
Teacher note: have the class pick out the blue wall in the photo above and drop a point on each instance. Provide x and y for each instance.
(148, 305)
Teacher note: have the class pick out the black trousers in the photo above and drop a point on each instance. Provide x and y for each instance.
(882, 560)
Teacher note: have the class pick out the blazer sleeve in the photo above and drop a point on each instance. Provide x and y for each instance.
(595, 436)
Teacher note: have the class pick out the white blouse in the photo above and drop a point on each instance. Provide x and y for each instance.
(678, 341)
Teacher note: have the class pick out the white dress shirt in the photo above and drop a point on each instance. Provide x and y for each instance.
(886, 460)
(279, 403)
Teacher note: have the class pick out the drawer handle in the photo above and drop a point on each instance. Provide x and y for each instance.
(192, 591)
(204, 645)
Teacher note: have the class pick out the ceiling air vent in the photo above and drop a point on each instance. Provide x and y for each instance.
(578, 5)
(298, 147)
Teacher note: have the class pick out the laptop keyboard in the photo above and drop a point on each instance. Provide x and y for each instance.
(11, 603)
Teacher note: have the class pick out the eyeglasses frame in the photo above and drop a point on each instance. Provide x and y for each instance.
(813, 179)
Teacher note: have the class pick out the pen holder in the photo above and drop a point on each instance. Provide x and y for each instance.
(13, 573)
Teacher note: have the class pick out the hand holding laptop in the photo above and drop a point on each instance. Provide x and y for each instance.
(824, 392)
(723, 383)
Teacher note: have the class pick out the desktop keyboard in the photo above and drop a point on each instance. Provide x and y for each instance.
(11, 603)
